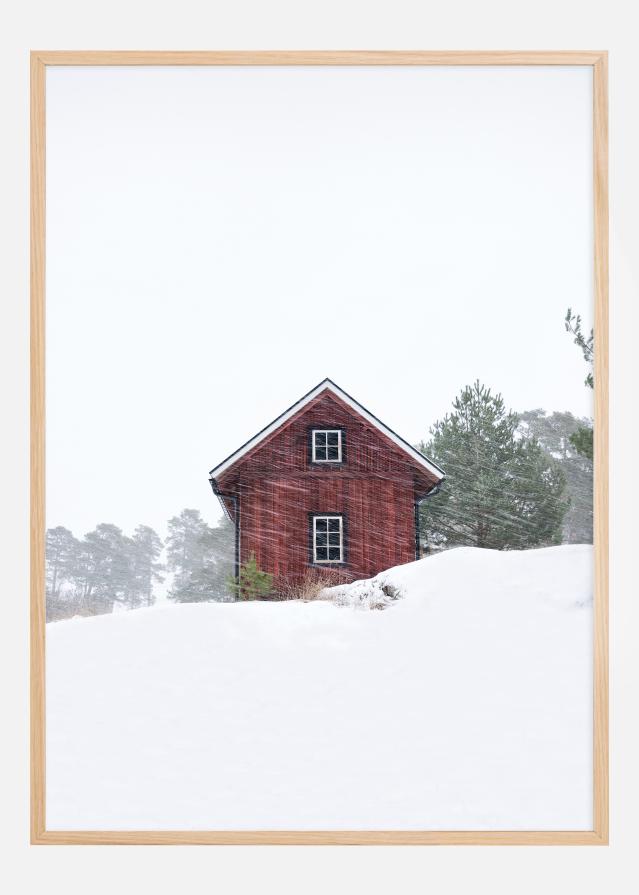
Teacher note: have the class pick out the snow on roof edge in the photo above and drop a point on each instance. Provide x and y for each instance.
(327, 385)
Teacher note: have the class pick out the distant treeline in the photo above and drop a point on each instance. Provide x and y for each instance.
(106, 569)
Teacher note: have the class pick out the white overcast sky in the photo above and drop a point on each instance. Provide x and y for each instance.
(221, 239)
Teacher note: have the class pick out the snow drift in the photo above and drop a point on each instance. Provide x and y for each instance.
(466, 705)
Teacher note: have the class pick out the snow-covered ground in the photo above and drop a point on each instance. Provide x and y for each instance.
(467, 704)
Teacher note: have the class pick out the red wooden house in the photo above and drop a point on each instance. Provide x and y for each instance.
(326, 485)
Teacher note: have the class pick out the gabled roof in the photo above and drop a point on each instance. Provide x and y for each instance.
(327, 385)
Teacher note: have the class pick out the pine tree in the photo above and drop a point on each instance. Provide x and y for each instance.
(62, 552)
(104, 569)
(502, 491)
(145, 550)
(200, 558)
(572, 322)
(555, 433)
(61, 558)
(252, 583)
(582, 439)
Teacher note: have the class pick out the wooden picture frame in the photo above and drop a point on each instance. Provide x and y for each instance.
(597, 62)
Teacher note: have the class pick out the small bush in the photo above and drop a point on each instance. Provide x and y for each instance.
(252, 583)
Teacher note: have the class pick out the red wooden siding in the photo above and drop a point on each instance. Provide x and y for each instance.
(278, 488)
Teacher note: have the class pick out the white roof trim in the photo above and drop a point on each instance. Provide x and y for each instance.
(330, 386)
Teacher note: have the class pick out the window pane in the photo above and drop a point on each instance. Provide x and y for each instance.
(333, 453)
(327, 543)
(320, 452)
(332, 438)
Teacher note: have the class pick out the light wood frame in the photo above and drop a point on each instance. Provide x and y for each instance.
(598, 61)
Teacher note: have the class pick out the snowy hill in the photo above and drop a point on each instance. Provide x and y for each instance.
(465, 705)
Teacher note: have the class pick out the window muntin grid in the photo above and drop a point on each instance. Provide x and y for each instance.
(328, 539)
(327, 445)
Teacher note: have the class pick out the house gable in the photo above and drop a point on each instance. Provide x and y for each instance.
(327, 406)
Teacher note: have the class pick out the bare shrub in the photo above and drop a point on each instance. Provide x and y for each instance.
(312, 585)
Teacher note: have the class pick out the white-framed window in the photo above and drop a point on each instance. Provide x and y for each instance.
(326, 445)
(328, 539)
